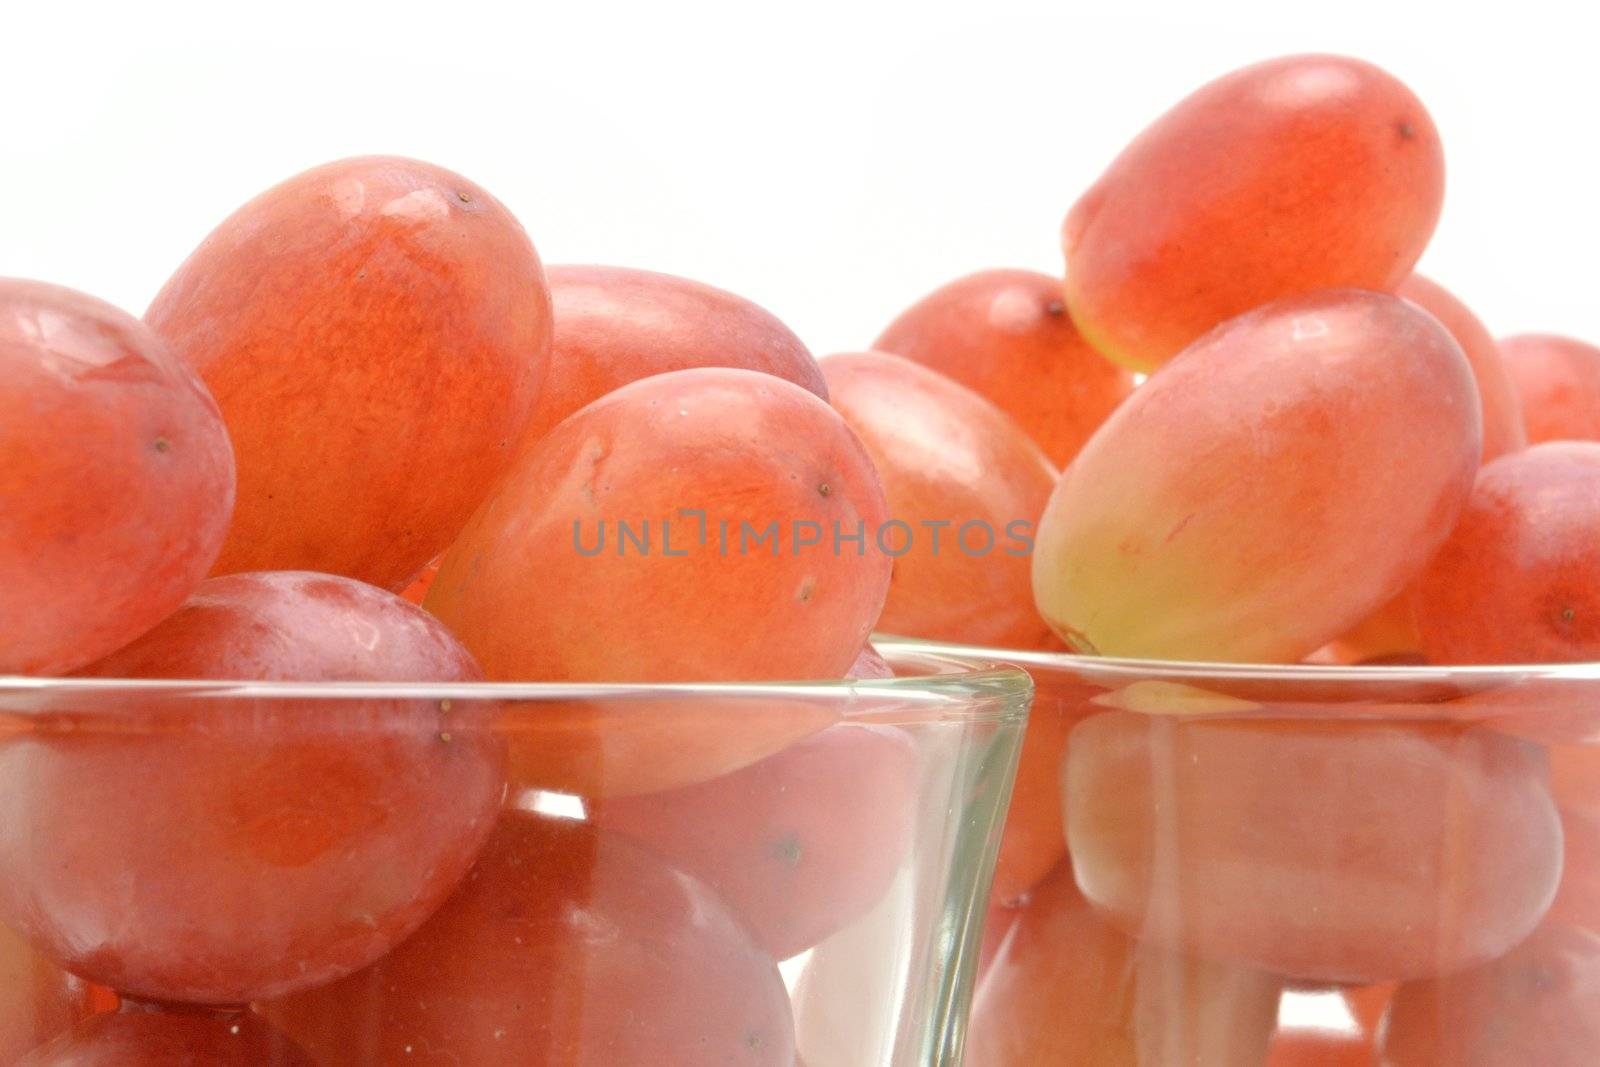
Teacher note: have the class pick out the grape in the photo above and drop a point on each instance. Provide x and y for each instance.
(1297, 174)
(968, 483)
(1558, 381)
(615, 325)
(1231, 509)
(1503, 430)
(801, 844)
(531, 590)
(1536, 1006)
(1352, 1045)
(1325, 850)
(37, 998)
(169, 1039)
(1005, 335)
(1034, 841)
(116, 479)
(1066, 989)
(1390, 631)
(997, 925)
(213, 850)
(566, 945)
(1518, 581)
(375, 331)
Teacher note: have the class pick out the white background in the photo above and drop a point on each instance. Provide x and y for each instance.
(832, 161)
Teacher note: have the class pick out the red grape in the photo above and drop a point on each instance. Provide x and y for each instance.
(375, 331)
(213, 850)
(566, 945)
(1228, 510)
(1066, 990)
(614, 325)
(1536, 1006)
(1326, 850)
(116, 479)
(1297, 174)
(1518, 581)
(534, 593)
(951, 463)
(801, 844)
(1005, 335)
(1503, 430)
(1558, 381)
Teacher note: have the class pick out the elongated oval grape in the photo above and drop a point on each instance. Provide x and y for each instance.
(967, 484)
(169, 1039)
(116, 479)
(1539, 1004)
(1558, 381)
(1006, 335)
(1503, 429)
(1297, 174)
(375, 331)
(690, 526)
(1232, 510)
(212, 851)
(566, 945)
(799, 845)
(1327, 851)
(1067, 990)
(1518, 581)
(615, 325)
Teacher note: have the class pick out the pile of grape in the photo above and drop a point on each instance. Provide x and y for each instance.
(363, 434)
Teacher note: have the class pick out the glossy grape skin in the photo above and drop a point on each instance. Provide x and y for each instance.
(116, 478)
(375, 331)
(1558, 381)
(1536, 1006)
(1067, 990)
(1227, 512)
(1034, 841)
(799, 845)
(1518, 580)
(615, 325)
(1324, 850)
(522, 591)
(1285, 177)
(215, 850)
(947, 456)
(169, 1039)
(38, 1000)
(1354, 1045)
(1503, 429)
(566, 945)
(1006, 335)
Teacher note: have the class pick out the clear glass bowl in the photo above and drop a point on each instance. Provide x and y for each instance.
(1299, 865)
(366, 874)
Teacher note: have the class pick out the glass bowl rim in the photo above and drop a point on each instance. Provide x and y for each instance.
(950, 685)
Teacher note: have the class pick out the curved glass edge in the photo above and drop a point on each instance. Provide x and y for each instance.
(936, 683)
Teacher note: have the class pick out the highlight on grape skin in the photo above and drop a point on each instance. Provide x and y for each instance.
(1225, 513)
